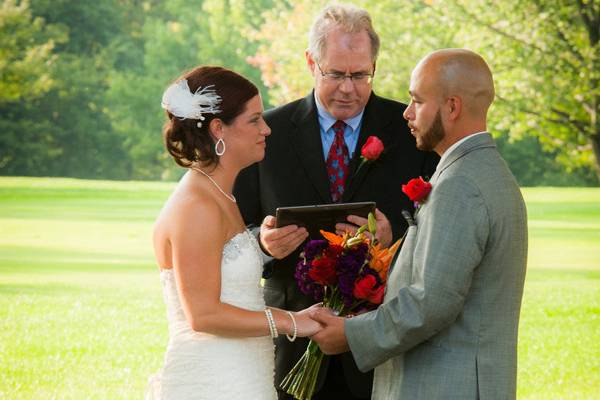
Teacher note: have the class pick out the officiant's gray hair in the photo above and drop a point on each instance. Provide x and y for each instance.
(349, 18)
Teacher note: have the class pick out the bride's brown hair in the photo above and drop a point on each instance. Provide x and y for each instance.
(183, 139)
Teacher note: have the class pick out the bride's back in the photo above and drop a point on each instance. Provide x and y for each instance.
(200, 365)
(191, 199)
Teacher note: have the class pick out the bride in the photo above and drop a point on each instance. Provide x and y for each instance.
(220, 332)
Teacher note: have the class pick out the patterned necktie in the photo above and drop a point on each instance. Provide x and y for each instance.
(337, 162)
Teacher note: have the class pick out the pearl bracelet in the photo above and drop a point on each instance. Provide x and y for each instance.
(271, 321)
(293, 337)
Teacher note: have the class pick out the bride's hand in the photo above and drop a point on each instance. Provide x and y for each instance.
(307, 326)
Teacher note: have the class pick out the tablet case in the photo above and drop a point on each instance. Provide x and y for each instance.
(321, 216)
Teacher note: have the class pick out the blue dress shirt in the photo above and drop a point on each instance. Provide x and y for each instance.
(326, 122)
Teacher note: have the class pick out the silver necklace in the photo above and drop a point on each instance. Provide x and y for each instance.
(229, 196)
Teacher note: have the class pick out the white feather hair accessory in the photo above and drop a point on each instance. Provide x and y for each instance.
(182, 103)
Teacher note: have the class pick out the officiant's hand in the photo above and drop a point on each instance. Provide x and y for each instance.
(331, 338)
(384, 228)
(280, 242)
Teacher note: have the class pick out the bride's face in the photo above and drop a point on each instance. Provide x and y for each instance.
(245, 137)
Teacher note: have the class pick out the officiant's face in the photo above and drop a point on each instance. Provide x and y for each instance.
(344, 55)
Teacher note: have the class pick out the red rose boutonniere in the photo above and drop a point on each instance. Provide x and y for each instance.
(417, 190)
(371, 150)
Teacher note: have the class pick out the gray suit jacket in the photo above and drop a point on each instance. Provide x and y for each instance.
(448, 325)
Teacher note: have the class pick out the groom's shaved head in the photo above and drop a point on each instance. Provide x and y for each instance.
(463, 73)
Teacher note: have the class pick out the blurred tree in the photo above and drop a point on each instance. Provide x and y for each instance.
(533, 165)
(80, 82)
(65, 130)
(177, 35)
(546, 58)
(26, 65)
(26, 45)
(544, 55)
(26, 59)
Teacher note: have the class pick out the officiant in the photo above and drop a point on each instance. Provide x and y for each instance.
(312, 157)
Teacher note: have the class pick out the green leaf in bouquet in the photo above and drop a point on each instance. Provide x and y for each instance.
(372, 224)
(361, 229)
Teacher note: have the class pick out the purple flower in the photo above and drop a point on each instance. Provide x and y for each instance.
(348, 268)
(305, 283)
(313, 248)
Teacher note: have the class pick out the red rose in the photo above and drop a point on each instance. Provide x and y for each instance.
(372, 149)
(417, 189)
(333, 251)
(376, 296)
(323, 271)
(363, 287)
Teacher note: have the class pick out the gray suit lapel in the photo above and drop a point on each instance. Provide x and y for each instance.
(478, 142)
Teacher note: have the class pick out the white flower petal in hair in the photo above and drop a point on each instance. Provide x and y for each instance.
(182, 103)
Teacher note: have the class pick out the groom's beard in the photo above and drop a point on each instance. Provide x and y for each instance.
(433, 136)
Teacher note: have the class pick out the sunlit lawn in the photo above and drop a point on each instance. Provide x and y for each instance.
(81, 312)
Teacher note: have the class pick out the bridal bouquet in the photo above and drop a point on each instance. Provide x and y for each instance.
(348, 274)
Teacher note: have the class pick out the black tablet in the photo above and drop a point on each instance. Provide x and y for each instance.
(321, 216)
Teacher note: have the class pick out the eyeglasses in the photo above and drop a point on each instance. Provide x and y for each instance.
(358, 78)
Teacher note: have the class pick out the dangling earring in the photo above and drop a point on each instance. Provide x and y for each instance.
(220, 142)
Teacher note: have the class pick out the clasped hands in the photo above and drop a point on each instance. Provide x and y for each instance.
(323, 326)
(318, 323)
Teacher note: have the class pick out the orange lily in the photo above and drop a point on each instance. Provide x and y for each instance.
(333, 238)
(382, 258)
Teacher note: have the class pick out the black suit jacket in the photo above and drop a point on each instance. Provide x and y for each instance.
(293, 173)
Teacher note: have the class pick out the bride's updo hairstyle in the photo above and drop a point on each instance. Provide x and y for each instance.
(187, 138)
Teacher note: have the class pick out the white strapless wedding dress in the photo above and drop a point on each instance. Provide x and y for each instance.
(208, 367)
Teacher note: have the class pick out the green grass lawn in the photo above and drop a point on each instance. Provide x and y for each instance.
(81, 312)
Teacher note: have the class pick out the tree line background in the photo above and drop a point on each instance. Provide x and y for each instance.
(81, 81)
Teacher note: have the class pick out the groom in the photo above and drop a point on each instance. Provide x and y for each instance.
(448, 325)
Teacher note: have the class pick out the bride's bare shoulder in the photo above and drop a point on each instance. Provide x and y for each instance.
(189, 210)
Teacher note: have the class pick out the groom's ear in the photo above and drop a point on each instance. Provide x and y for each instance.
(454, 107)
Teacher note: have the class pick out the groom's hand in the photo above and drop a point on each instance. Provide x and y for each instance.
(331, 337)
(280, 242)
(384, 228)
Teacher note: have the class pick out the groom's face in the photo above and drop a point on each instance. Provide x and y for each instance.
(431, 137)
(346, 54)
(424, 112)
